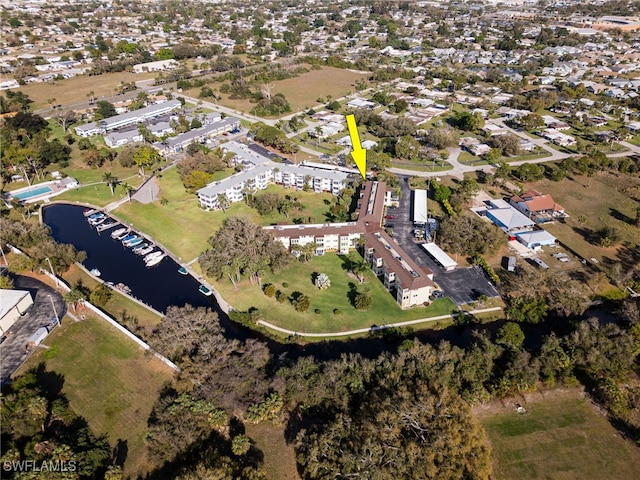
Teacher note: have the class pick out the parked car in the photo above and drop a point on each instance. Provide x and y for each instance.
(437, 294)
(390, 217)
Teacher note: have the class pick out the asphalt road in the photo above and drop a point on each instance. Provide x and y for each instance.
(13, 352)
(462, 285)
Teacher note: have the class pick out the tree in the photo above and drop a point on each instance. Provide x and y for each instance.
(469, 235)
(442, 137)
(467, 121)
(510, 334)
(64, 117)
(100, 295)
(362, 300)
(322, 281)
(242, 248)
(110, 181)
(300, 302)
(104, 110)
(527, 309)
(74, 297)
(145, 157)
(223, 202)
(240, 445)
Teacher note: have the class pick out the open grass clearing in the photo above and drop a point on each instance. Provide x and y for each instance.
(561, 436)
(303, 90)
(595, 203)
(108, 380)
(299, 278)
(279, 457)
(184, 228)
(76, 89)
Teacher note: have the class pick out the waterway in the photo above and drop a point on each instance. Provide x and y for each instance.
(162, 286)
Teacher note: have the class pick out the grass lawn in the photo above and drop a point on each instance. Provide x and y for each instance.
(108, 380)
(528, 156)
(299, 278)
(279, 457)
(603, 200)
(559, 438)
(77, 88)
(302, 91)
(421, 167)
(170, 223)
(118, 302)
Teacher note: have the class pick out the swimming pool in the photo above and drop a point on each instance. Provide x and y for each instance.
(34, 192)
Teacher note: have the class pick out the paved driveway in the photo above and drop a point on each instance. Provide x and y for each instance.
(12, 351)
(462, 285)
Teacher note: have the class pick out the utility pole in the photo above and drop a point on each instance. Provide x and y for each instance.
(54, 310)
(53, 273)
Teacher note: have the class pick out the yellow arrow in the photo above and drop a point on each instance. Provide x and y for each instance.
(358, 154)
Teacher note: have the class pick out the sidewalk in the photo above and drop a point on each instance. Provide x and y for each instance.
(374, 328)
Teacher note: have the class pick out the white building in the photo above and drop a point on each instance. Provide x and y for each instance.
(127, 119)
(159, 66)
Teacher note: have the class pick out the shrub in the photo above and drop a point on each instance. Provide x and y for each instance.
(480, 260)
(317, 311)
(337, 311)
(280, 297)
(300, 302)
(269, 290)
(285, 284)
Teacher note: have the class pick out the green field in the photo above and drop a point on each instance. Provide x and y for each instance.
(299, 278)
(108, 380)
(184, 228)
(558, 438)
(604, 200)
(302, 91)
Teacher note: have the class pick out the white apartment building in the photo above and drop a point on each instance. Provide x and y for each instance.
(258, 172)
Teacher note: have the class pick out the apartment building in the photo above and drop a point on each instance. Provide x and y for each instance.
(198, 135)
(258, 172)
(126, 119)
(410, 284)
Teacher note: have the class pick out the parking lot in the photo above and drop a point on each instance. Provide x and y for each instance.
(13, 352)
(462, 285)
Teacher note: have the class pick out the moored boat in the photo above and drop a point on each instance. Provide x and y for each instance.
(135, 241)
(118, 232)
(145, 250)
(95, 272)
(155, 260)
(152, 255)
(140, 247)
(89, 211)
(98, 220)
(183, 271)
(129, 237)
(204, 290)
(123, 235)
(106, 226)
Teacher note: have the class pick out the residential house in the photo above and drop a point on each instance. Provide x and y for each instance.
(536, 205)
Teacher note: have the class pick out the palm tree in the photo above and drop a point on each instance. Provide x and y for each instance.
(223, 201)
(359, 268)
(110, 180)
(74, 297)
(128, 189)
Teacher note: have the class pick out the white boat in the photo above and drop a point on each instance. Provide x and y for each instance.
(123, 235)
(145, 250)
(89, 211)
(152, 255)
(98, 220)
(106, 226)
(155, 260)
(95, 272)
(118, 232)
